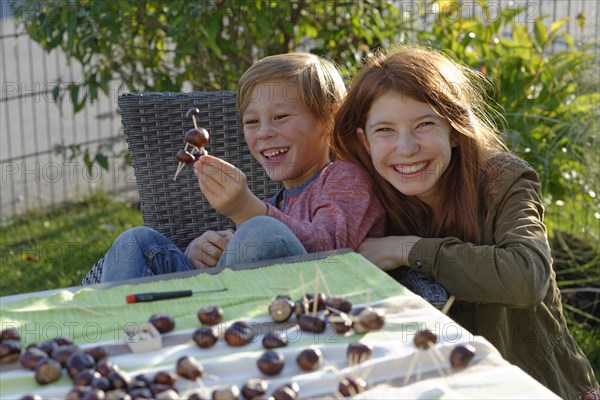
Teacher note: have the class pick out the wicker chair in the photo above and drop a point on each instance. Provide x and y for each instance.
(154, 125)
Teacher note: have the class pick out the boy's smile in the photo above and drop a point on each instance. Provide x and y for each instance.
(283, 135)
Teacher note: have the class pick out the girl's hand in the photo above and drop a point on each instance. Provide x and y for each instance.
(226, 189)
(206, 250)
(389, 252)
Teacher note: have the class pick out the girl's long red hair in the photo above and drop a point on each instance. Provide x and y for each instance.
(456, 93)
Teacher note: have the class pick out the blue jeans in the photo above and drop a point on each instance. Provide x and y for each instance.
(142, 251)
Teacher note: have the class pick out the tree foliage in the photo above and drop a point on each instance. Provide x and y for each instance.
(158, 45)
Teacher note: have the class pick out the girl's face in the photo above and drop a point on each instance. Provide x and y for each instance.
(409, 144)
(283, 135)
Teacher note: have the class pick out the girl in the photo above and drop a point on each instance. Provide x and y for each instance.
(461, 210)
(286, 104)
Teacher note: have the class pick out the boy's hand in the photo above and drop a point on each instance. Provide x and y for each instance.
(226, 189)
(389, 252)
(206, 250)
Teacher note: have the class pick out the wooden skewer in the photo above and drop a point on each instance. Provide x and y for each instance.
(411, 367)
(316, 296)
(324, 281)
(448, 304)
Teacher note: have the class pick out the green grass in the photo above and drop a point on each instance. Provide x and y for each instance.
(55, 248)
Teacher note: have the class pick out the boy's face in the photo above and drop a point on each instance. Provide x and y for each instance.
(283, 135)
(409, 143)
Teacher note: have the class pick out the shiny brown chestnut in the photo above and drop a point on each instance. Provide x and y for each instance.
(31, 357)
(352, 386)
(339, 303)
(238, 334)
(270, 363)
(281, 308)
(227, 393)
(10, 350)
(341, 323)
(424, 338)
(312, 323)
(79, 361)
(289, 391)
(372, 319)
(185, 157)
(210, 315)
(98, 352)
(189, 368)
(275, 339)
(254, 388)
(309, 359)
(357, 353)
(47, 371)
(9, 333)
(197, 137)
(162, 322)
(165, 378)
(62, 353)
(192, 112)
(461, 355)
(205, 336)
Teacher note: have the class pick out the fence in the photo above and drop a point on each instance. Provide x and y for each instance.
(40, 143)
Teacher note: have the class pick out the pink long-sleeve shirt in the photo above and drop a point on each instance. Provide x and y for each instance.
(337, 208)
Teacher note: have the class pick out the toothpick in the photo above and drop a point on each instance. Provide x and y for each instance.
(411, 367)
(448, 304)
(316, 296)
(179, 168)
(194, 121)
(324, 281)
(303, 287)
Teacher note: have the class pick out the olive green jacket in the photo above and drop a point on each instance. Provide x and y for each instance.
(505, 287)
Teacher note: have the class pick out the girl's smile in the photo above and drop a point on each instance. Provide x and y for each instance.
(409, 143)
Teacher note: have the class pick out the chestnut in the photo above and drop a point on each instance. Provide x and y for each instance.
(357, 353)
(102, 383)
(185, 157)
(205, 337)
(254, 388)
(119, 379)
(197, 137)
(239, 334)
(197, 395)
(31, 357)
(339, 303)
(86, 377)
(270, 363)
(78, 361)
(289, 391)
(462, 355)
(281, 308)
(48, 346)
(162, 322)
(352, 386)
(424, 338)
(9, 333)
(309, 359)
(117, 394)
(165, 378)
(320, 298)
(300, 307)
(10, 350)
(312, 323)
(62, 353)
(372, 319)
(141, 393)
(62, 340)
(47, 371)
(275, 339)
(341, 323)
(98, 352)
(210, 316)
(31, 397)
(169, 394)
(157, 388)
(192, 112)
(189, 368)
(78, 392)
(105, 366)
(227, 393)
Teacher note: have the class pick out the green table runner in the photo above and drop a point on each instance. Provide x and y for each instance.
(99, 315)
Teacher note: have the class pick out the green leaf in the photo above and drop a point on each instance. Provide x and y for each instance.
(540, 32)
(556, 25)
(102, 160)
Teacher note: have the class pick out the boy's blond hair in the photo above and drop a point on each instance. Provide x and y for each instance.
(319, 85)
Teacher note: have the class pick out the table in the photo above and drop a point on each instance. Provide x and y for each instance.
(93, 316)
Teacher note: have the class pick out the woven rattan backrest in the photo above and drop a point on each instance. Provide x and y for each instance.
(154, 125)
